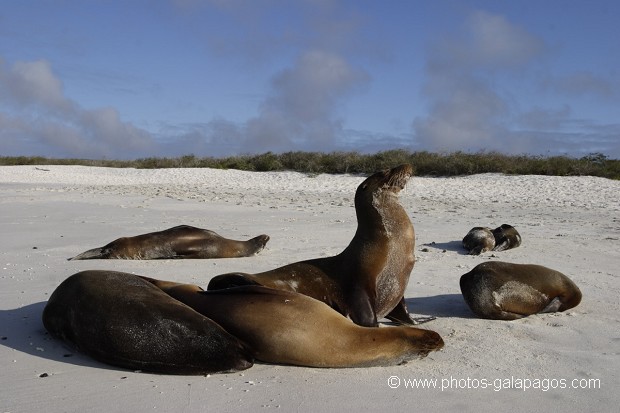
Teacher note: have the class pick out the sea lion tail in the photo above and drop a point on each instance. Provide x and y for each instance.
(89, 255)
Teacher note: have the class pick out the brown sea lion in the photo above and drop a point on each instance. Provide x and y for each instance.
(479, 240)
(182, 241)
(367, 280)
(506, 237)
(290, 328)
(123, 320)
(504, 291)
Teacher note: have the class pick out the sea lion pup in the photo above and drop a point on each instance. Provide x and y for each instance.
(367, 280)
(285, 327)
(123, 320)
(506, 237)
(479, 240)
(504, 291)
(182, 241)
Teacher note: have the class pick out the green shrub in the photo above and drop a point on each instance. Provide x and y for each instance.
(424, 163)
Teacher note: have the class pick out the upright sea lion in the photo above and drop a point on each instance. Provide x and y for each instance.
(504, 291)
(506, 237)
(182, 241)
(123, 320)
(479, 240)
(367, 280)
(290, 328)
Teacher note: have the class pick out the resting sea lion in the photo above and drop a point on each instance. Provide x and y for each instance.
(479, 240)
(506, 237)
(504, 291)
(367, 280)
(290, 328)
(182, 241)
(123, 320)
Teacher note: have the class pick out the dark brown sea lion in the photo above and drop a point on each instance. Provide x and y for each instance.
(479, 240)
(506, 237)
(290, 328)
(123, 320)
(504, 291)
(367, 280)
(182, 241)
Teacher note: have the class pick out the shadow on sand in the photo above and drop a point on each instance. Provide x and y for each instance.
(443, 305)
(22, 329)
(453, 246)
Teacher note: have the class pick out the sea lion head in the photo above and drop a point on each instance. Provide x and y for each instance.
(388, 181)
(377, 201)
(377, 197)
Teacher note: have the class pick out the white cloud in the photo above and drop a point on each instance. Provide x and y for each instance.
(545, 119)
(583, 83)
(298, 113)
(33, 84)
(492, 41)
(467, 112)
(39, 117)
(303, 101)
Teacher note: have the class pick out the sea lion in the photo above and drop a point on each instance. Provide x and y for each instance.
(182, 241)
(506, 237)
(285, 327)
(367, 280)
(505, 291)
(123, 320)
(479, 240)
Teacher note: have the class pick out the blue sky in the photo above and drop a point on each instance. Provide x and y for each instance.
(133, 79)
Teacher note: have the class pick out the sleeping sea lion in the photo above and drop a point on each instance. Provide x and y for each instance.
(506, 237)
(479, 240)
(286, 327)
(505, 291)
(123, 320)
(182, 241)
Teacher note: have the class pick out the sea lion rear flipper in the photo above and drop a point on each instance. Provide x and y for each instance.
(401, 315)
(553, 306)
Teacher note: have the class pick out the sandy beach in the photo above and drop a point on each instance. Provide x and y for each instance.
(552, 362)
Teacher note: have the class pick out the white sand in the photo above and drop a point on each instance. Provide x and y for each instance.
(570, 224)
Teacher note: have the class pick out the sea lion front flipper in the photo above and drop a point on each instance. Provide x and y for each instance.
(476, 250)
(362, 310)
(400, 314)
(553, 306)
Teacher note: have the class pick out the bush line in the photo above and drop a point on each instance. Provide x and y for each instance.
(425, 163)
